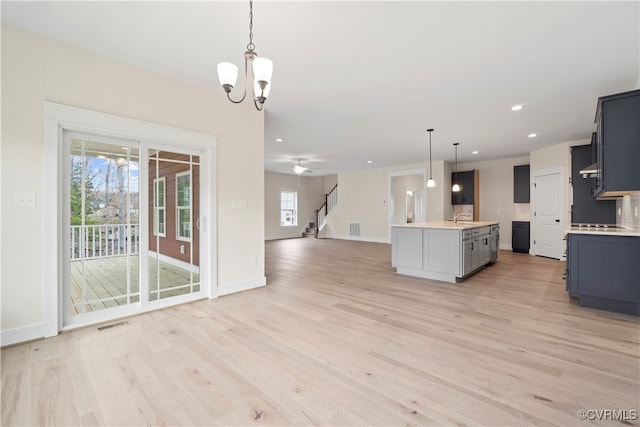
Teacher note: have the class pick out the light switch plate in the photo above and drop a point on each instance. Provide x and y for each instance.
(25, 198)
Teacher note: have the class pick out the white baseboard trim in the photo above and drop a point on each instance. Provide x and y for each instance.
(283, 236)
(19, 335)
(233, 287)
(357, 238)
(505, 247)
(176, 262)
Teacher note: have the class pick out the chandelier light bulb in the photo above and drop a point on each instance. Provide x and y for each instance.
(227, 74)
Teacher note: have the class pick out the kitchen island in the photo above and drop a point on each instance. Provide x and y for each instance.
(444, 250)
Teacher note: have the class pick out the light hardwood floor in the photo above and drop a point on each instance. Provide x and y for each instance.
(337, 338)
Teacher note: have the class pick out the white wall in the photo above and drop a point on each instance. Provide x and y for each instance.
(35, 69)
(310, 197)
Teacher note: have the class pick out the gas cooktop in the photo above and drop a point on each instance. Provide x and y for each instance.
(592, 225)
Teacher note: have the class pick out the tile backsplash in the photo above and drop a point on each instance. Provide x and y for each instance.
(628, 211)
(522, 212)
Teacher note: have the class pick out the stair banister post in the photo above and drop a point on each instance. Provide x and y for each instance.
(326, 204)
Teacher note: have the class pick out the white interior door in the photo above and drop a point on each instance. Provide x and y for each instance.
(548, 215)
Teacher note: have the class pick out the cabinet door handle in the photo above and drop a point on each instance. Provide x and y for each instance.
(557, 220)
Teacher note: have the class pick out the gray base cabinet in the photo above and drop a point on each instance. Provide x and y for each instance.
(604, 271)
(445, 253)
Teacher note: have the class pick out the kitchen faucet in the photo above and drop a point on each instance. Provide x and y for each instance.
(455, 217)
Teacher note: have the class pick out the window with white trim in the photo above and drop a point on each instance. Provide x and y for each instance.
(159, 207)
(288, 208)
(183, 206)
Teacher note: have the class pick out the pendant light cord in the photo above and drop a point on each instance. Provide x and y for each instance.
(251, 46)
(430, 162)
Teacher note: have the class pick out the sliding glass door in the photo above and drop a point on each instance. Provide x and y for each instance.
(173, 224)
(132, 227)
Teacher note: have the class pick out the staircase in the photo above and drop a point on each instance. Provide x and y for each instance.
(311, 230)
(330, 200)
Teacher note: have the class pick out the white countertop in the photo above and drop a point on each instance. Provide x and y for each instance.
(618, 231)
(460, 225)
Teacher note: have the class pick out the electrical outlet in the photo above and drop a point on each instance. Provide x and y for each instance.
(25, 198)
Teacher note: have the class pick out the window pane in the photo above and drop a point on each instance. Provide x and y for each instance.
(288, 208)
(185, 223)
(161, 221)
(184, 190)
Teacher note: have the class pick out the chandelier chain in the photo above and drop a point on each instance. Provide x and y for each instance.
(251, 46)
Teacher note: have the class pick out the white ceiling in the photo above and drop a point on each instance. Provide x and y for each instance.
(363, 80)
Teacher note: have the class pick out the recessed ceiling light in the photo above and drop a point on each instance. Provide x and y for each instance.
(369, 161)
(475, 152)
(517, 107)
(279, 140)
(532, 135)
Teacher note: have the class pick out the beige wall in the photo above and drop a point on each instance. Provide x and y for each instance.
(328, 182)
(399, 186)
(363, 197)
(496, 194)
(35, 69)
(310, 197)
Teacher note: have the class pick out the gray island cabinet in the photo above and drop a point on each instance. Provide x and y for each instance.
(443, 250)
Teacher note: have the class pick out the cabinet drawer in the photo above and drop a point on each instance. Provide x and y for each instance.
(468, 234)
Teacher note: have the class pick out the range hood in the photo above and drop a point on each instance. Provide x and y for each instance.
(590, 171)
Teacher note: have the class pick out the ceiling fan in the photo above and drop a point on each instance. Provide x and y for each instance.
(299, 169)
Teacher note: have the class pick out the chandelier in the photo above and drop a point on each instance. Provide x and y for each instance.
(258, 68)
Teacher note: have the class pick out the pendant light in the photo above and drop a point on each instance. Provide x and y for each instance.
(456, 186)
(430, 183)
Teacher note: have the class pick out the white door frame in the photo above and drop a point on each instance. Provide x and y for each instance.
(563, 218)
(57, 118)
(423, 205)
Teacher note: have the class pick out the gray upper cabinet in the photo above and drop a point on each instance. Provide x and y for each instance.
(521, 189)
(468, 183)
(618, 144)
(586, 209)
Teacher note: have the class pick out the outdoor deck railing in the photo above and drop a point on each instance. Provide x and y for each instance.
(101, 241)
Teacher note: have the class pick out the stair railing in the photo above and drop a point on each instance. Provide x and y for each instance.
(330, 201)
